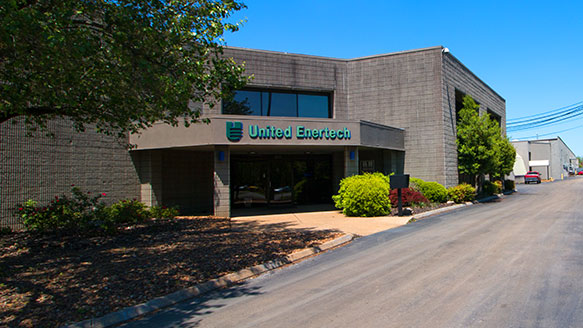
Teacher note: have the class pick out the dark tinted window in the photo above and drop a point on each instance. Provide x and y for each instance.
(283, 104)
(278, 103)
(244, 103)
(313, 106)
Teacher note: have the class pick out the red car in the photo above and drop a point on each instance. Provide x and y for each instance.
(532, 176)
(580, 172)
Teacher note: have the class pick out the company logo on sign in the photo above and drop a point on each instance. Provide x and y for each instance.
(234, 131)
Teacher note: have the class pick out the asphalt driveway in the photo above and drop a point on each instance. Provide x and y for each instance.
(512, 263)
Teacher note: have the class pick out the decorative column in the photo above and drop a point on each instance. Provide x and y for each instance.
(150, 174)
(222, 181)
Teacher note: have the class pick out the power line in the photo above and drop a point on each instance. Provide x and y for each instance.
(544, 114)
(548, 134)
(573, 114)
(546, 118)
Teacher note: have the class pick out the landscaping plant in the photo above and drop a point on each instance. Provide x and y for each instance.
(409, 197)
(127, 212)
(492, 188)
(509, 185)
(462, 193)
(82, 213)
(364, 195)
(163, 212)
(76, 213)
(433, 191)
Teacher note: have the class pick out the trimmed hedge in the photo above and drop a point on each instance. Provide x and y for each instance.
(433, 191)
(364, 195)
(462, 193)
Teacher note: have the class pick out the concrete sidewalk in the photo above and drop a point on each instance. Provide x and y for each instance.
(326, 220)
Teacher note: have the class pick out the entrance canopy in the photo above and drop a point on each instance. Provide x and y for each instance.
(244, 131)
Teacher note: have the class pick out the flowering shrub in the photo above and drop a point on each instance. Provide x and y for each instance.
(498, 184)
(409, 197)
(85, 213)
(364, 195)
(78, 212)
(462, 193)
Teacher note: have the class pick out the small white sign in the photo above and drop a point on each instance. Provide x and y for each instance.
(544, 162)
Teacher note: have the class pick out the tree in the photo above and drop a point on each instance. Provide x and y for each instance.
(580, 159)
(475, 144)
(118, 64)
(506, 156)
(481, 147)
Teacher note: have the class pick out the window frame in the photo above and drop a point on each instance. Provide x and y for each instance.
(297, 93)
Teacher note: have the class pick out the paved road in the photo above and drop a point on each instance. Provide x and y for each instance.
(514, 263)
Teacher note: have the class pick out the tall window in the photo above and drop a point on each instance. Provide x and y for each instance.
(279, 103)
(495, 117)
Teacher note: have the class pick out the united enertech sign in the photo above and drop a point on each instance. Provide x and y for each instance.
(300, 132)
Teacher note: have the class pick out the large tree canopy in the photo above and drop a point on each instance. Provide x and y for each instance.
(118, 64)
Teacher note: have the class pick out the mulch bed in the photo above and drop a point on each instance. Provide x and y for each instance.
(49, 281)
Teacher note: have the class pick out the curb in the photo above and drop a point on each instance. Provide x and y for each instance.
(455, 207)
(202, 288)
(439, 211)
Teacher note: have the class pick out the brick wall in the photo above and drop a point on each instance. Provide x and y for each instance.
(187, 178)
(457, 76)
(294, 72)
(39, 167)
(403, 90)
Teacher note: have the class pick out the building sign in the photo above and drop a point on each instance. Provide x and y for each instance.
(234, 131)
(300, 132)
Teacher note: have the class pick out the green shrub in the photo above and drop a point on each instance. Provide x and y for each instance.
(415, 184)
(498, 184)
(163, 212)
(433, 191)
(462, 193)
(364, 195)
(85, 213)
(77, 213)
(509, 185)
(491, 188)
(127, 212)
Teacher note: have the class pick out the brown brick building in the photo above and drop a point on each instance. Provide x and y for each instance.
(302, 124)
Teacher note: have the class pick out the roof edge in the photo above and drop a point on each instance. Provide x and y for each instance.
(473, 74)
(335, 58)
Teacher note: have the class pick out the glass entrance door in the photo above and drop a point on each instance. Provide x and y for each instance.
(280, 180)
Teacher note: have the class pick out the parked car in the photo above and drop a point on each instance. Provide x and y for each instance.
(580, 172)
(532, 176)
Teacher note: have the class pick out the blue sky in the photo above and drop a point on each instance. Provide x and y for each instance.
(530, 52)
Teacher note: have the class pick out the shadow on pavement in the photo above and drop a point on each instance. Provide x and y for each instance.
(189, 313)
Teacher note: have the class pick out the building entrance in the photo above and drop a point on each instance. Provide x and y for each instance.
(280, 180)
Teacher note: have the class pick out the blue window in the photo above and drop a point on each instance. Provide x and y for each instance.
(278, 103)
